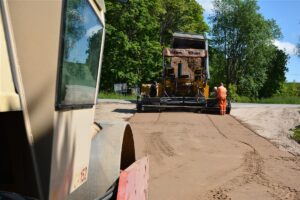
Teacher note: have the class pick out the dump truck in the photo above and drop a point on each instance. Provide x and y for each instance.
(185, 77)
(51, 147)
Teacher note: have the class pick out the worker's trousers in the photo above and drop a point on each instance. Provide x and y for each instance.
(222, 105)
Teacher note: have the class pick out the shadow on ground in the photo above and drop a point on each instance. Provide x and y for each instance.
(124, 110)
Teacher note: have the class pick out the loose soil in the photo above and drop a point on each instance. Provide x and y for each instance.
(203, 156)
(274, 122)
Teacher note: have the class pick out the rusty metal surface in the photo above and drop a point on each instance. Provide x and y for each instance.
(188, 53)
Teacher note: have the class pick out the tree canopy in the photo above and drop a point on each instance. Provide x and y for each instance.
(182, 16)
(136, 33)
(275, 74)
(243, 45)
(132, 49)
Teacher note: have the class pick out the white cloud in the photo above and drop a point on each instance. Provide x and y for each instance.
(207, 5)
(287, 47)
(93, 30)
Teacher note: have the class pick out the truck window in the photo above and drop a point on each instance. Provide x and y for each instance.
(81, 37)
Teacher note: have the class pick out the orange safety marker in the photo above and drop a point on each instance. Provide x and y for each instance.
(133, 182)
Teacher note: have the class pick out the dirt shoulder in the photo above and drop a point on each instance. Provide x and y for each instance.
(273, 122)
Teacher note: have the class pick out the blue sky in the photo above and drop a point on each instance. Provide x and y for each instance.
(287, 15)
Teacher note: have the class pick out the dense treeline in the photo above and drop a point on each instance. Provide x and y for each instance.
(242, 53)
(136, 34)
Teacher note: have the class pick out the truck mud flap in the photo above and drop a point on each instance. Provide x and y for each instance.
(133, 181)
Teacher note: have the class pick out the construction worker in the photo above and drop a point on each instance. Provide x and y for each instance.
(222, 93)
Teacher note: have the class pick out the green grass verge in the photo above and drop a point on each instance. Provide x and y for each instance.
(296, 135)
(240, 99)
(113, 95)
(272, 100)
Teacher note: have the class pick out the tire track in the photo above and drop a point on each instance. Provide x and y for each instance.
(158, 117)
(219, 131)
(253, 172)
(157, 141)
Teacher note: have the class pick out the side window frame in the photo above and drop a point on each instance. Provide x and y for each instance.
(96, 11)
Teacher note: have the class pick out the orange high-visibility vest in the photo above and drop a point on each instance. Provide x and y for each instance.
(222, 92)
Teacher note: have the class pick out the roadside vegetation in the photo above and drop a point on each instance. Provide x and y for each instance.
(288, 93)
(242, 52)
(113, 95)
(296, 134)
(271, 100)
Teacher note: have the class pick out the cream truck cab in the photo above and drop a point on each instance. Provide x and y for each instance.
(50, 146)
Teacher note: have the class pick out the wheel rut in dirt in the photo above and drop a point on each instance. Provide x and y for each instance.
(159, 143)
(252, 172)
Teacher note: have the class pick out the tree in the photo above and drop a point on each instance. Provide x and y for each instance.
(245, 38)
(132, 49)
(182, 16)
(217, 60)
(275, 74)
